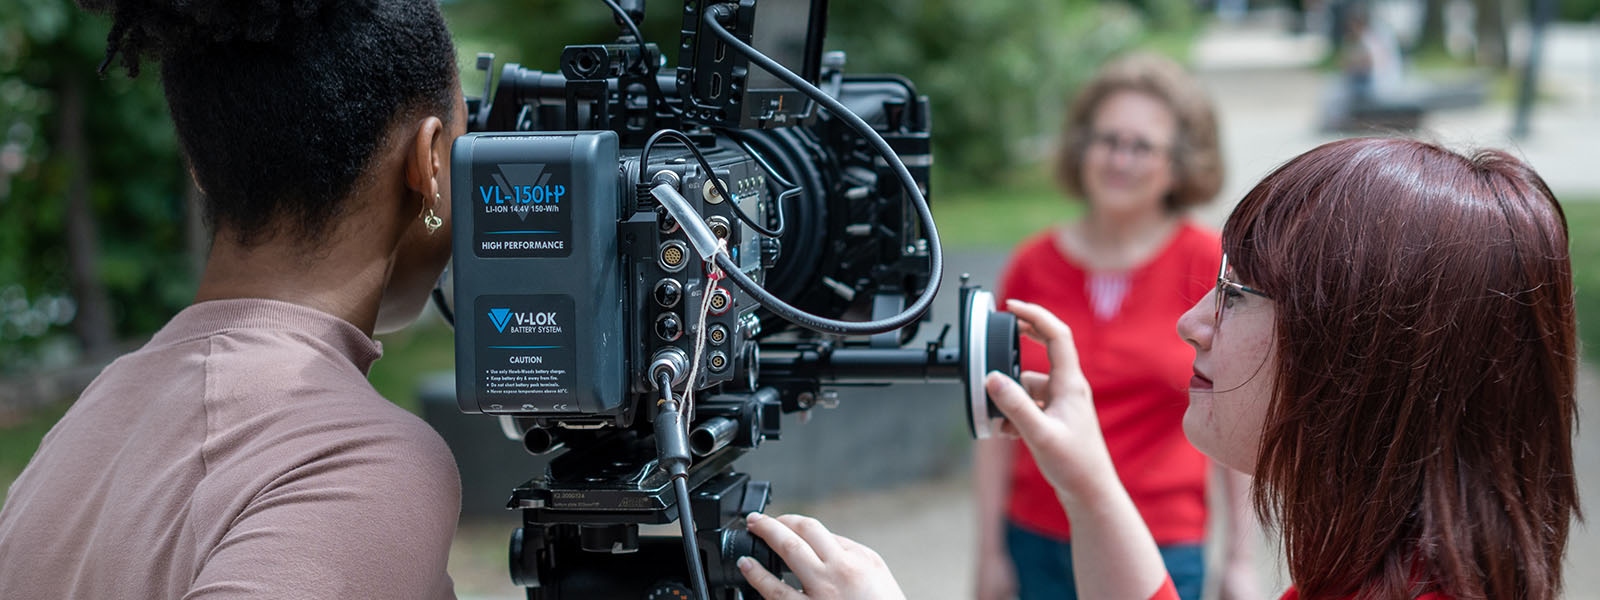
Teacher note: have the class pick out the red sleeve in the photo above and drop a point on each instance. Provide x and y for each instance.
(1167, 592)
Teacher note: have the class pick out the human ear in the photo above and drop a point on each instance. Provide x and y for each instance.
(425, 160)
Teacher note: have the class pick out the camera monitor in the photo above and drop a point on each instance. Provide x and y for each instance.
(728, 90)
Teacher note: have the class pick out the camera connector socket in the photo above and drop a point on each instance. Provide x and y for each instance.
(672, 361)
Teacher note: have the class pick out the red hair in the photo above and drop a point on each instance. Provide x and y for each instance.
(1419, 437)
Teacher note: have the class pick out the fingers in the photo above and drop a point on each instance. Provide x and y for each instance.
(1020, 410)
(790, 546)
(823, 542)
(765, 583)
(1038, 323)
(1037, 384)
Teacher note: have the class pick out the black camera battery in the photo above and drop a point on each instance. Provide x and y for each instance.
(538, 285)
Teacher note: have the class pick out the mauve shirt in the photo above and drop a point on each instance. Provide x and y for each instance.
(240, 453)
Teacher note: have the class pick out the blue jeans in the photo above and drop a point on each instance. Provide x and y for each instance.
(1044, 566)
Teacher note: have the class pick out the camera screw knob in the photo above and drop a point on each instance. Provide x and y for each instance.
(668, 292)
(669, 327)
(771, 249)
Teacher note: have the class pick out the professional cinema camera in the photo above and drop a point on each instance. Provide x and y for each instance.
(653, 267)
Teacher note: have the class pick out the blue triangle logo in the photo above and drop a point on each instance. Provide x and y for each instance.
(500, 316)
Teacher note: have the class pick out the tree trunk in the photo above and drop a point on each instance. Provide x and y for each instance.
(1491, 33)
(1431, 38)
(93, 322)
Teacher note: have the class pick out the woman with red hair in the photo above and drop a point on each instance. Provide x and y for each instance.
(1390, 349)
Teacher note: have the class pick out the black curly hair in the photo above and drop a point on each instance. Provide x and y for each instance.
(280, 105)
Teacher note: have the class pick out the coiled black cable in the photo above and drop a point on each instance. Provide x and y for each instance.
(679, 136)
(936, 255)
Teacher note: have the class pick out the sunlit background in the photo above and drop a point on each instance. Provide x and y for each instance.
(101, 241)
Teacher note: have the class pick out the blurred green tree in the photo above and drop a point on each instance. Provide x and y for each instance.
(99, 240)
(92, 217)
(1579, 10)
(997, 72)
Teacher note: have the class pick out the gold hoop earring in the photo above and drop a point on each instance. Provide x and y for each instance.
(432, 221)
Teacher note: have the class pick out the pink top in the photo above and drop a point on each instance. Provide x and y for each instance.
(240, 453)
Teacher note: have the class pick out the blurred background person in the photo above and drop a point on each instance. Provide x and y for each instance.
(1139, 148)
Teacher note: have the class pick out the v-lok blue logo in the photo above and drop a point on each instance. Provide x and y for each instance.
(500, 316)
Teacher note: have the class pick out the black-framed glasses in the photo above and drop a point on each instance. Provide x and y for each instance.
(1228, 288)
(1138, 148)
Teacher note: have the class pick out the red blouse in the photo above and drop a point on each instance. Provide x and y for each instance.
(1139, 369)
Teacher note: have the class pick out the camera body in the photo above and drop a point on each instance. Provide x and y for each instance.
(591, 309)
(577, 282)
(555, 221)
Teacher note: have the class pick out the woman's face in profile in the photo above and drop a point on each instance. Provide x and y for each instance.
(1232, 385)
(1127, 166)
(422, 256)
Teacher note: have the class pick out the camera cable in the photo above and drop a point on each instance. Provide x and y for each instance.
(672, 449)
(633, 29)
(640, 67)
(935, 257)
(716, 182)
(713, 274)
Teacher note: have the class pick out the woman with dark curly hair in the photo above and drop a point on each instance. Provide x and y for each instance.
(242, 452)
(1389, 347)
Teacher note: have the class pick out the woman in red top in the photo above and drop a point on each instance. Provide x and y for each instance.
(1140, 147)
(1390, 349)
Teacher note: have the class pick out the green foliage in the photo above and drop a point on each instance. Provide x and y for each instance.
(533, 32)
(411, 355)
(1578, 10)
(1583, 227)
(998, 73)
(135, 184)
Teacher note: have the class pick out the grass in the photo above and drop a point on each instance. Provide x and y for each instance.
(978, 218)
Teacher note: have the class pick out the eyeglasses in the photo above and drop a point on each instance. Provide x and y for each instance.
(1138, 148)
(1228, 289)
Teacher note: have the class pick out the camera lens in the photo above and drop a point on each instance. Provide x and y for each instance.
(668, 293)
(674, 255)
(717, 334)
(669, 327)
(721, 300)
